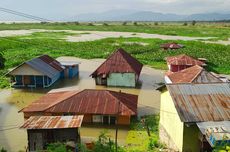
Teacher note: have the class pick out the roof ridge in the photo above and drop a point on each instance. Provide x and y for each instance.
(198, 73)
(124, 104)
(131, 65)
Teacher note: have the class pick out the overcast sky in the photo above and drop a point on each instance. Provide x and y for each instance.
(67, 8)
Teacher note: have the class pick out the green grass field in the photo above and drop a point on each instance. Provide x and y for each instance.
(21, 48)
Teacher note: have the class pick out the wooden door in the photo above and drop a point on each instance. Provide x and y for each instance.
(26, 80)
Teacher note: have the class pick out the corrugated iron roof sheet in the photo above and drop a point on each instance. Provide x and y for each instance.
(194, 74)
(86, 102)
(48, 100)
(119, 62)
(53, 122)
(171, 46)
(183, 60)
(52, 62)
(43, 67)
(45, 64)
(201, 102)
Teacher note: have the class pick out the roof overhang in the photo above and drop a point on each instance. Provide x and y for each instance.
(215, 132)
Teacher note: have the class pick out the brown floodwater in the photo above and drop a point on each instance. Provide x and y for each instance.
(12, 100)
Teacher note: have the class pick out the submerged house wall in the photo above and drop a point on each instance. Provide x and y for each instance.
(88, 118)
(70, 72)
(122, 79)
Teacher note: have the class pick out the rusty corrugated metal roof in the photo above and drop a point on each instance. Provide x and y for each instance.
(171, 46)
(48, 100)
(119, 62)
(52, 62)
(86, 102)
(194, 74)
(183, 60)
(201, 102)
(53, 122)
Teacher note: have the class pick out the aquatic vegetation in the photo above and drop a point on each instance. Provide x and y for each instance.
(18, 50)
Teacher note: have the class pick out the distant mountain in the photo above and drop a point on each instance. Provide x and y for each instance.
(208, 17)
(132, 15)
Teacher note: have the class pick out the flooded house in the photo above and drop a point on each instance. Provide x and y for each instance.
(71, 67)
(195, 117)
(171, 46)
(43, 130)
(120, 69)
(181, 62)
(42, 71)
(194, 74)
(97, 106)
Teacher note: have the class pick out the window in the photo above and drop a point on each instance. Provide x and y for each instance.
(97, 118)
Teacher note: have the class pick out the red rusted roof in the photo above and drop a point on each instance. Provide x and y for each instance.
(119, 62)
(47, 101)
(201, 102)
(86, 102)
(53, 122)
(52, 62)
(171, 46)
(194, 74)
(183, 60)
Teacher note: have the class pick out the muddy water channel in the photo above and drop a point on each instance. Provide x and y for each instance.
(14, 139)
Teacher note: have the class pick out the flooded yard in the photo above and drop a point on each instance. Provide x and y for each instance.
(12, 100)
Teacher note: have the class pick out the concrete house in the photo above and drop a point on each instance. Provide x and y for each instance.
(97, 106)
(120, 69)
(195, 117)
(181, 62)
(42, 71)
(42, 130)
(194, 74)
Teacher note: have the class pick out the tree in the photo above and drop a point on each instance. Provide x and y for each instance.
(2, 60)
(135, 23)
(124, 23)
(105, 144)
(156, 23)
(185, 24)
(105, 24)
(193, 22)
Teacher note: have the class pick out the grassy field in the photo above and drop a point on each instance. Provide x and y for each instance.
(21, 48)
(138, 139)
(220, 30)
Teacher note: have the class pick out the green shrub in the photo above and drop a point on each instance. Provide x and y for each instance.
(3, 150)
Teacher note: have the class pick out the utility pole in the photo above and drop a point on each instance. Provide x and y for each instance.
(118, 112)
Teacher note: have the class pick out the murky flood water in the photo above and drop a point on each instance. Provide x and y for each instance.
(12, 100)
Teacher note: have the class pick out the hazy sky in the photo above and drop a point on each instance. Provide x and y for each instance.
(65, 8)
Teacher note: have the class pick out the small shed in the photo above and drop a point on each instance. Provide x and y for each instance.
(71, 67)
(171, 46)
(181, 62)
(43, 130)
(120, 69)
(42, 71)
(97, 106)
(194, 74)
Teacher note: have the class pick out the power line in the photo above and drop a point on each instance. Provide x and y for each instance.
(23, 15)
